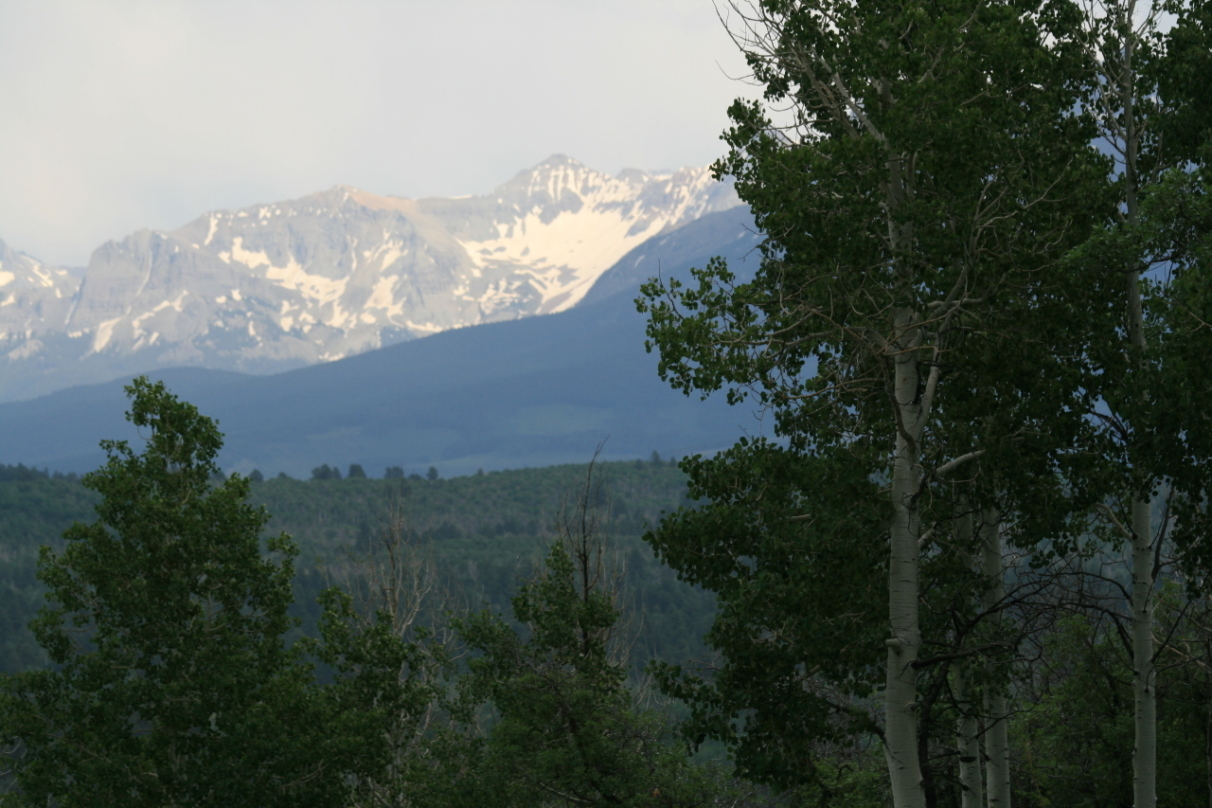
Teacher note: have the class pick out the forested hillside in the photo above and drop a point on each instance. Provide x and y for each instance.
(485, 533)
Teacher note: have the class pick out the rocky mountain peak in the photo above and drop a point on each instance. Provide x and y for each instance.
(35, 299)
(282, 284)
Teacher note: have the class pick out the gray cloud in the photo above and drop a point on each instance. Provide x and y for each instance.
(144, 113)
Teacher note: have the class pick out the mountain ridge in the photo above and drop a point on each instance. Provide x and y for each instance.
(529, 392)
(275, 286)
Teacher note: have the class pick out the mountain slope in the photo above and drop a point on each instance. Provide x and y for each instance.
(530, 392)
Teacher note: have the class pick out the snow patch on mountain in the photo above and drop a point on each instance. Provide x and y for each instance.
(34, 301)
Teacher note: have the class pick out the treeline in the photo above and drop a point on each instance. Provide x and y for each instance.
(355, 471)
(413, 683)
(35, 509)
(420, 644)
(486, 533)
(172, 678)
(23, 472)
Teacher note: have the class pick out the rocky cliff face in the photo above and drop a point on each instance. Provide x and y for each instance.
(315, 279)
(35, 300)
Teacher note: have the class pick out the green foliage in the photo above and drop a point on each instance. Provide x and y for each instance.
(1073, 747)
(34, 510)
(1077, 742)
(1152, 428)
(1181, 75)
(566, 729)
(933, 175)
(387, 683)
(486, 532)
(171, 682)
(791, 546)
(174, 684)
(326, 472)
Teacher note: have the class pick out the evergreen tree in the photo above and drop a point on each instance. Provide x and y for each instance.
(326, 472)
(390, 672)
(566, 728)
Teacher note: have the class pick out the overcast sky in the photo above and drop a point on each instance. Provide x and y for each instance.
(117, 115)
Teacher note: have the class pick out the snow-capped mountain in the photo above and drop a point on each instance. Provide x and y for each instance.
(281, 285)
(34, 301)
(530, 392)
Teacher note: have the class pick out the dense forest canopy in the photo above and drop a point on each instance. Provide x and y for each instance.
(486, 533)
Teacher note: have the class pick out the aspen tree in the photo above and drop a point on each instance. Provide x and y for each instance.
(1141, 90)
(931, 173)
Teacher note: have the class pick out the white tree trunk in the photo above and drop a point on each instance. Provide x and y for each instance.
(1208, 732)
(900, 692)
(1144, 754)
(969, 746)
(997, 744)
(967, 732)
(1144, 672)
